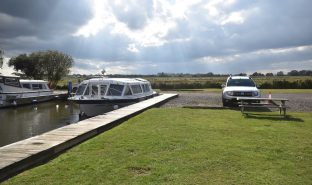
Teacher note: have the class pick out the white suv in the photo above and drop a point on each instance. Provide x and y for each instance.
(238, 86)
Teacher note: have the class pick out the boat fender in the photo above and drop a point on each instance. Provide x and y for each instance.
(115, 107)
(14, 103)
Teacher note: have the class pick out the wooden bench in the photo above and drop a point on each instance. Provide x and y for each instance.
(248, 102)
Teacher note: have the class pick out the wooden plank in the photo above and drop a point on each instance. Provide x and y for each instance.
(21, 155)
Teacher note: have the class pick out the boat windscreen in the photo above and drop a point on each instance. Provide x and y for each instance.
(81, 89)
(12, 82)
(115, 90)
(128, 91)
(136, 89)
(95, 90)
(146, 88)
(103, 89)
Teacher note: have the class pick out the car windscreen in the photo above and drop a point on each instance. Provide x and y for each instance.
(241, 82)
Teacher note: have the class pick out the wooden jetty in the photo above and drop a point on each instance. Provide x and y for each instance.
(22, 155)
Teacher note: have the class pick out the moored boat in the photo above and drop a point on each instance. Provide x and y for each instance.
(14, 91)
(99, 95)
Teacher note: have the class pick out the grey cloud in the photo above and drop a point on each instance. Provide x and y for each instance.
(43, 18)
(134, 14)
(28, 26)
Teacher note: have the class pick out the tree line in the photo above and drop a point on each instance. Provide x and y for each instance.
(291, 73)
(210, 74)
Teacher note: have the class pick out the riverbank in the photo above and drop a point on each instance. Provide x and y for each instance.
(187, 146)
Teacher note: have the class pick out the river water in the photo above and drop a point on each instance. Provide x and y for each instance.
(26, 121)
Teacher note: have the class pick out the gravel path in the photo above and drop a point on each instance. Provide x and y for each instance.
(297, 102)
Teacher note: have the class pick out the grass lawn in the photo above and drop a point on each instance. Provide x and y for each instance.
(188, 146)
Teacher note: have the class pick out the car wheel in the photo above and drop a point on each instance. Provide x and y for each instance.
(225, 104)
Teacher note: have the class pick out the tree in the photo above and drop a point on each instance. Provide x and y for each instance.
(1, 58)
(293, 73)
(241, 74)
(28, 65)
(269, 74)
(280, 73)
(257, 74)
(52, 65)
(56, 65)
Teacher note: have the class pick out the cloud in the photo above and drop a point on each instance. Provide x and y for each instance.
(151, 36)
(42, 18)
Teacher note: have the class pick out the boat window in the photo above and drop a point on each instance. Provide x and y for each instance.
(146, 88)
(12, 82)
(136, 89)
(35, 86)
(115, 90)
(0, 89)
(95, 90)
(128, 91)
(44, 86)
(26, 86)
(1, 79)
(87, 91)
(80, 90)
(103, 89)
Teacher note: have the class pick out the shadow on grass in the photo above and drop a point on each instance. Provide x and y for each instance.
(261, 114)
(277, 117)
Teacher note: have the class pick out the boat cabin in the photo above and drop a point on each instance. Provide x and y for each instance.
(113, 88)
(13, 83)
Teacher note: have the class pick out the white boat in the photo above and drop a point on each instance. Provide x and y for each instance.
(99, 95)
(14, 91)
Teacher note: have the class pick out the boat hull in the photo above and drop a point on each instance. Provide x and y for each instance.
(89, 108)
(24, 101)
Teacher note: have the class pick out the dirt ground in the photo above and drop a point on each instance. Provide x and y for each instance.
(297, 102)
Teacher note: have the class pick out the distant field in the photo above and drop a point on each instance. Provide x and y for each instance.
(275, 82)
(217, 81)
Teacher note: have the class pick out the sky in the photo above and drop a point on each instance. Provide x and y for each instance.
(171, 36)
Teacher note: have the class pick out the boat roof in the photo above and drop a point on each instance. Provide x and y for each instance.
(9, 76)
(116, 80)
(33, 81)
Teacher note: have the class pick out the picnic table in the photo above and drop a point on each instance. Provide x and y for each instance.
(248, 102)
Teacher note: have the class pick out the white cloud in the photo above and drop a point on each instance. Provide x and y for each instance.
(234, 17)
(151, 36)
(6, 70)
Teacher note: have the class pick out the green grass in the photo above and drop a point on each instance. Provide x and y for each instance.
(188, 146)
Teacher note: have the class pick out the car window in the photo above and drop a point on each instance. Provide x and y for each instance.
(241, 82)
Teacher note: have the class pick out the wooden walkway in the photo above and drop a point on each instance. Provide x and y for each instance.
(22, 155)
